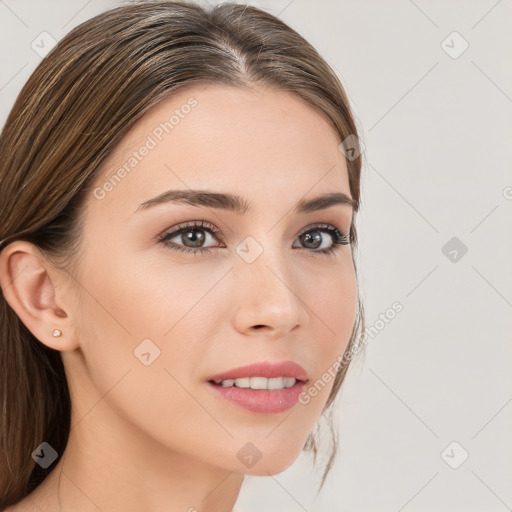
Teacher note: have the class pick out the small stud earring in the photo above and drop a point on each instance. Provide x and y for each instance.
(57, 333)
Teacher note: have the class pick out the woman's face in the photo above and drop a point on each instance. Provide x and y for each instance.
(155, 322)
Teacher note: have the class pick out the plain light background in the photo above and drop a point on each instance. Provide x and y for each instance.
(434, 387)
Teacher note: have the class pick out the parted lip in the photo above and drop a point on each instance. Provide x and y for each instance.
(264, 369)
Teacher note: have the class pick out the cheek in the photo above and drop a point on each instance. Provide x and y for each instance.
(146, 298)
(333, 309)
(332, 301)
(128, 308)
(132, 302)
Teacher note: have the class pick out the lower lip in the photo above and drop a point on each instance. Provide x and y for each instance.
(263, 401)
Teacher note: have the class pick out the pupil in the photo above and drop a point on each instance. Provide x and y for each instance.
(196, 237)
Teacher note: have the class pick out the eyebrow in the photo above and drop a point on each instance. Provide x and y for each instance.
(238, 204)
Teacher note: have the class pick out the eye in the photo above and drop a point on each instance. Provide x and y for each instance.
(192, 236)
(192, 233)
(312, 238)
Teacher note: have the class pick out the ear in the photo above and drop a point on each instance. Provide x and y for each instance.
(33, 288)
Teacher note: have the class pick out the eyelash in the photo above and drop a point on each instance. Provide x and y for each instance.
(339, 237)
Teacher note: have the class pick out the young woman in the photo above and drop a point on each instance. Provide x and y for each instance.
(178, 190)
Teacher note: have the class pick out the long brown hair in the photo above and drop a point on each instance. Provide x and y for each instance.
(72, 112)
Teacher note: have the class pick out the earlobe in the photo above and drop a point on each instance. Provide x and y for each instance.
(28, 283)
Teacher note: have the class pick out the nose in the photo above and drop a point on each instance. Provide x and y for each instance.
(268, 296)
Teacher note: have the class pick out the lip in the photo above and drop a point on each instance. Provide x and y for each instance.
(264, 369)
(262, 401)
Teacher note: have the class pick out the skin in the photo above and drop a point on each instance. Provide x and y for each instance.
(156, 437)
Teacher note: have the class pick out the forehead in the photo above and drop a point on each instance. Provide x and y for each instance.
(257, 143)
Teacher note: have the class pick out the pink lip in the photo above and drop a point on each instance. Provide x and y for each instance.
(264, 369)
(263, 401)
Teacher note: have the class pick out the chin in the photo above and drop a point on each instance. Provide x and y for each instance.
(274, 463)
(272, 468)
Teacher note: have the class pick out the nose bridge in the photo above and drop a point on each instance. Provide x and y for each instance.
(267, 294)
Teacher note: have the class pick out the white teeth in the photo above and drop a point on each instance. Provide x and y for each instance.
(288, 382)
(259, 382)
(277, 383)
(245, 382)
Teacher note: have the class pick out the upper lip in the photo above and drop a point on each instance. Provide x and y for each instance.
(264, 369)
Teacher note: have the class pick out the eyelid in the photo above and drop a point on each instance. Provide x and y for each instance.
(194, 224)
(318, 225)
